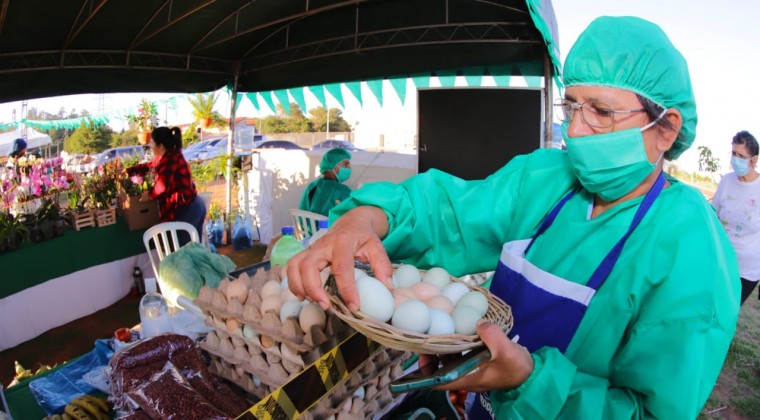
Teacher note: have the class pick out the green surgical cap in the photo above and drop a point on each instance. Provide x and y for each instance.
(332, 158)
(634, 54)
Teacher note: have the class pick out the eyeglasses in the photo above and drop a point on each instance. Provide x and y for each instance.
(594, 113)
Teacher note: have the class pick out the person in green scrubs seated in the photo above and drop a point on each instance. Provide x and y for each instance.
(623, 285)
(327, 191)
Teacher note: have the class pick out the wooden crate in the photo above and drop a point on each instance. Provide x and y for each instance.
(82, 218)
(105, 217)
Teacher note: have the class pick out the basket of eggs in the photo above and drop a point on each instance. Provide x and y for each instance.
(427, 312)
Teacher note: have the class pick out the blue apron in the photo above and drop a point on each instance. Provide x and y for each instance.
(547, 309)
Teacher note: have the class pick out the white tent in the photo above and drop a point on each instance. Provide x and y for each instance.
(33, 139)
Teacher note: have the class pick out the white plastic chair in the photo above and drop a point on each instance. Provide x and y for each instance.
(164, 236)
(304, 223)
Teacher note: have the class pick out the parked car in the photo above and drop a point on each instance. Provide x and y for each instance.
(278, 144)
(332, 143)
(207, 149)
(108, 155)
(191, 151)
(220, 149)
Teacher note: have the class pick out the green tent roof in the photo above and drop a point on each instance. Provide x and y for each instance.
(54, 47)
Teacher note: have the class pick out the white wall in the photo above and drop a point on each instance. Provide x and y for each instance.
(279, 177)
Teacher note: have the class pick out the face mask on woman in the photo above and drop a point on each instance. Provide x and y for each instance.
(610, 165)
(741, 166)
(343, 174)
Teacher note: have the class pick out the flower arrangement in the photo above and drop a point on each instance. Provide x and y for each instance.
(146, 118)
(32, 179)
(136, 185)
(100, 189)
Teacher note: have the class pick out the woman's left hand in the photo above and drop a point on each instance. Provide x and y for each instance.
(511, 364)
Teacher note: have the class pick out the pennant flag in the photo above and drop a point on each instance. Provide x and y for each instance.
(298, 96)
(173, 103)
(237, 101)
(283, 99)
(319, 93)
(447, 77)
(474, 76)
(334, 89)
(399, 85)
(267, 96)
(376, 87)
(254, 101)
(502, 75)
(421, 81)
(356, 89)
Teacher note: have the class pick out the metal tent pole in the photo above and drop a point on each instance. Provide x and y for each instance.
(230, 150)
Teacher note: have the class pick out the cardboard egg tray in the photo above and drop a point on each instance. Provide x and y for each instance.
(341, 402)
(219, 310)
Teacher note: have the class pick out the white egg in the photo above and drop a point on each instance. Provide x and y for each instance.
(291, 308)
(359, 273)
(407, 275)
(413, 315)
(465, 319)
(270, 288)
(312, 314)
(249, 332)
(286, 295)
(284, 283)
(394, 281)
(437, 276)
(375, 300)
(256, 380)
(440, 323)
(359, 393)
(455, 291)
(476, 300)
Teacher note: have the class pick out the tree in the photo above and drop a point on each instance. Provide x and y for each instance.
(707, 162)
(89, 138)
(125, 138)
(296, 122)
(272, 124)
(319, 120)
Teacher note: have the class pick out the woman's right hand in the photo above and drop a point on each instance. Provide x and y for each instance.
(355, 236)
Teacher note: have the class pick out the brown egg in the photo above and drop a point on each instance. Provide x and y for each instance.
(424, 291)
(441, 302)
(401, 295)
(237, 289)
(271, 303)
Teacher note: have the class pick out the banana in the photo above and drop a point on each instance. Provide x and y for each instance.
(76, 413)
(90, 408)
(99, 402)
(55, 417)
(65, 416)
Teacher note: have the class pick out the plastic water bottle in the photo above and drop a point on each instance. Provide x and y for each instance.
(321, 231)
(154, 313)
(285, 248)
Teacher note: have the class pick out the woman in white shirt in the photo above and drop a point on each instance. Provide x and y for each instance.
(737, 203)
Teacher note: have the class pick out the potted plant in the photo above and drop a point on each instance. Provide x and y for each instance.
(144, 120)
(203, 108)
(12, 231)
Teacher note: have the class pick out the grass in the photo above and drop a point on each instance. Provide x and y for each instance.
(737, 393)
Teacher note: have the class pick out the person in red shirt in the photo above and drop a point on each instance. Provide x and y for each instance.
(173, 187)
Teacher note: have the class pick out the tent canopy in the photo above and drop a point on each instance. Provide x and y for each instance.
(33, 139)
(50, 47)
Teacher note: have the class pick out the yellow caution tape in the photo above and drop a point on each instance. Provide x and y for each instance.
(301, 393)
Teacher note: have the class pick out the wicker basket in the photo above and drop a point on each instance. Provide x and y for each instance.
(386, 334)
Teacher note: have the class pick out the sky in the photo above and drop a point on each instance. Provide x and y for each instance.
(719, 40)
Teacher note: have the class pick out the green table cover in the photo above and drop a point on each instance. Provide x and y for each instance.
(33, 264)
